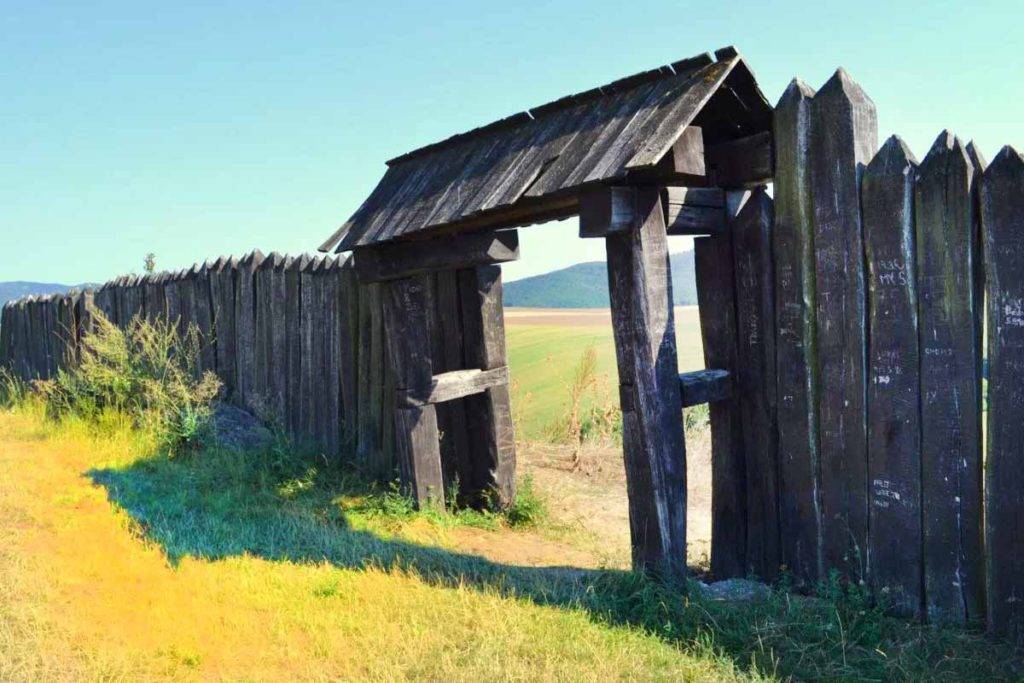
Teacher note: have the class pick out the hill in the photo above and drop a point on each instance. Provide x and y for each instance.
(18, 289)
(585, 285)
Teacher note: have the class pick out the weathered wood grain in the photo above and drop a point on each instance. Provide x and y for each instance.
(640, 289)
(408, 342)
(705, 386)
(452, 385)
(947, 253)
(293, 344)
(742, 162)
(488, 415)
(401, 260)
(347, 330)
(894, 382)
(1002, 211)
(245, 329)
(796, 378)
(222, 296)
(371, 373)
(843, 139)
(750, 216)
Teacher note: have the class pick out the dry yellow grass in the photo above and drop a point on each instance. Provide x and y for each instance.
(83, 596)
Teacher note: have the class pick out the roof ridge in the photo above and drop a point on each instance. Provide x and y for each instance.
(677, 68)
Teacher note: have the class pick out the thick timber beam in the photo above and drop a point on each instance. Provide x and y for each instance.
(609, 209)
(489, 413)
(417, 445)
(746, 162)
(640, 289)
(395, 260)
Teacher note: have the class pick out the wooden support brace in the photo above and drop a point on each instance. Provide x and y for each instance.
(705, 386)
(395, 260)
(746, 162)
(452, 385)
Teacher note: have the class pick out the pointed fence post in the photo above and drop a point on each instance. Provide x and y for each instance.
(843, 139)
(894, 395)
(1002, 210)
(796, 392)
(640, 289)
(947, 252)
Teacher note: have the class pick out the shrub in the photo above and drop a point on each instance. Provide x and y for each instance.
(528, 508)
(147, 371)
(13, 391)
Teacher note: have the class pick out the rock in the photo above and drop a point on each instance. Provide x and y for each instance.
(239, 430)
(733, 590)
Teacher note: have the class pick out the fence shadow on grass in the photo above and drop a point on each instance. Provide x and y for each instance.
(222, 504)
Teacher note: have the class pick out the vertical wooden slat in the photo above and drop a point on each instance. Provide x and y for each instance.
(348, 319)
(1002, 210)
(640, 289)
(449, 331)
(245, 328)
(332, 356)
(371, 380)
(894, 390)
(204, 317)
(950, 383)
(796, 380)
(293, 342)
(222, 295)
(488, 415)
(416, 437)
(713, 261)
(843, 139)
(749, 216)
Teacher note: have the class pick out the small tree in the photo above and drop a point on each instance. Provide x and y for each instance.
(149, 262)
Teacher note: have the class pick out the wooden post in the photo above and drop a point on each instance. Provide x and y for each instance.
(796, 379)
(947, 253)
(489, 414)
(640, 289)
(750, 215)
(408, 342)
(843, 139)
(894, 389)
(1002, 210)
(717, 306)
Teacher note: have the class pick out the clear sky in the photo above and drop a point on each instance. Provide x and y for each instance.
(198, 129)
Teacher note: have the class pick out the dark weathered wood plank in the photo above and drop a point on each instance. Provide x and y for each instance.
(843, 139)
(245, 328)
(705, 386)
(448, 356)
(750, 216)
(293, 344)
(894, 389)
(401, 260)
(348, 319)
(452, 385)
(640, 289)
(222, 295)
(371, 381)
(742, 162)
(607, 209)
(796, 379)
(947, 250)
(683, 219)
(488, 415)
(1002, 211)
(416, 435)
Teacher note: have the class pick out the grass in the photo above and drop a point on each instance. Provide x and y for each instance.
(542, 359)
(117, 562)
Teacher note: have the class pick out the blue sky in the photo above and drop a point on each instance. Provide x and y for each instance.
(193, 130)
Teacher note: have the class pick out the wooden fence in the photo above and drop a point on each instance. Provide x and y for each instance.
(852, 312)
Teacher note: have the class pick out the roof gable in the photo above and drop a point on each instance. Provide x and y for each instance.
(529, 167)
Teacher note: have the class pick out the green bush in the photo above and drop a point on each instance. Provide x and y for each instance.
(528, 508)
(147, 371)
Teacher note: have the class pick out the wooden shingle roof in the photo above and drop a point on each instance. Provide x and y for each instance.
(530, 167)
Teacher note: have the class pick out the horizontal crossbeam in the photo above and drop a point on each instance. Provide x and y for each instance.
(449, 386)
(705, 386)
(396, 260)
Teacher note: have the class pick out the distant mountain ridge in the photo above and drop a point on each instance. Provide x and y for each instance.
(17, 289)
(585, 285)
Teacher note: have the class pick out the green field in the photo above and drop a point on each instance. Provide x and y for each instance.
(542, 357)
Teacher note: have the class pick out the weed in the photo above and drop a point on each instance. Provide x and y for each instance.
(528, 508)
